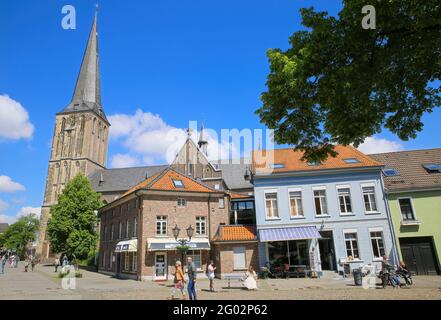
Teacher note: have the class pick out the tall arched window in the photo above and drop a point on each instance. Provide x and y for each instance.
(81, 136)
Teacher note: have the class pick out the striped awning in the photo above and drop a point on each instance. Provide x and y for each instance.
(289, 233)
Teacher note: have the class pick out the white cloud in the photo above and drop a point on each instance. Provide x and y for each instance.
(23, 212)
(7, 219)
(150, 140)
(123, 161)
(14, 120)
(378, 145)
(7, 185)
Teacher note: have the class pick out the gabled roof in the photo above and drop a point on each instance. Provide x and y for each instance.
(236, 233)
(409, 166)
(121, 179)
(289, 160)
(165, 181)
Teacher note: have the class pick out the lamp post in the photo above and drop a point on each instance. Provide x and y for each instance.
(183, 242)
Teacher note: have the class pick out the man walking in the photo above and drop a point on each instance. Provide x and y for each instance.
(3, 263)
(191, 271)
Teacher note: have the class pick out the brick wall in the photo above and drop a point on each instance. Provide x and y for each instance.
(223, 254)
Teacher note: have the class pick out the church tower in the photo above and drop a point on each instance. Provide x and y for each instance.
(79, 143)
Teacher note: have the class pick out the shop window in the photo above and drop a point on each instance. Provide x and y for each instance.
(239, 258)
(196, 256)
(126, 261)
(135, 262)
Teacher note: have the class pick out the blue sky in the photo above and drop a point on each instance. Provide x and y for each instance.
(172, 60)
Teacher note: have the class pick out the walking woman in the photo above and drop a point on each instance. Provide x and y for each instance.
(178, 281)
(210, 273)
(3, 263)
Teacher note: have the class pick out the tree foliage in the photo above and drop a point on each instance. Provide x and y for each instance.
(20, 234)
(340, 83)
(72, 226)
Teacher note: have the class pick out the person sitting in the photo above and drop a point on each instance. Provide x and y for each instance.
(250, 281)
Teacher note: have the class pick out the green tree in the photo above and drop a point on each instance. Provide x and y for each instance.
(340, 83)
(19, 234)
(72, 226)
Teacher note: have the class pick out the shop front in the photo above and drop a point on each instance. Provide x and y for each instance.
(126, 259)
(162, 254)
(293, 250)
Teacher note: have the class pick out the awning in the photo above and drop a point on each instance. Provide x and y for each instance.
(164, 244)
(290, 233)
(127, 246)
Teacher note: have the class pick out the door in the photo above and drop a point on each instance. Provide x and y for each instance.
(327, 253)
(419, 255)
(160, 266)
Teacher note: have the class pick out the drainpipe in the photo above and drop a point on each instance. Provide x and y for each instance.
(389, 216)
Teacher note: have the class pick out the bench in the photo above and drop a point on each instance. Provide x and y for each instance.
(232, 277)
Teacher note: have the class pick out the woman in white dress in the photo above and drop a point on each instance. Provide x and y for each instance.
(250, 281)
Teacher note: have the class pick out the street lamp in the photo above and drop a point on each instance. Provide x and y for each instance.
(183, 242)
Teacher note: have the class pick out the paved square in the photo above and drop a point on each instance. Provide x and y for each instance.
(43, 284)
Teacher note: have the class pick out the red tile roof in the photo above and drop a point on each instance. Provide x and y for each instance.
(236, 233)
(164, 181)
(291, 160)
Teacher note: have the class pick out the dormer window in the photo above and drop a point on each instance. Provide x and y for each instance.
(351, 160)
(432, 168)
(388, 172)
(178, 183)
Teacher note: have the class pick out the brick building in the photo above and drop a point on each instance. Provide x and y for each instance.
(137, 229)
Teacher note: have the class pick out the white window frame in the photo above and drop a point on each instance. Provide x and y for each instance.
(163, 225)
(322, 188)
(221, 203)
(341, 187)
(126, 261)
(127, 228)
(120, 230)
(201, 221)
(243, 251)
(271, 191)
(370, 185)
(347, 231)
(415, 219)
(134, 261)
(379, 229)
(302, 213)
(112, 231)
(182, 203)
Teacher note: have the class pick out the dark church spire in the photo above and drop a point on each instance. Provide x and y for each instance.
(87, 94)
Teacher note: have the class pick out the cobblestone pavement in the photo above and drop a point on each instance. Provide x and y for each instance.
(44, 284)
